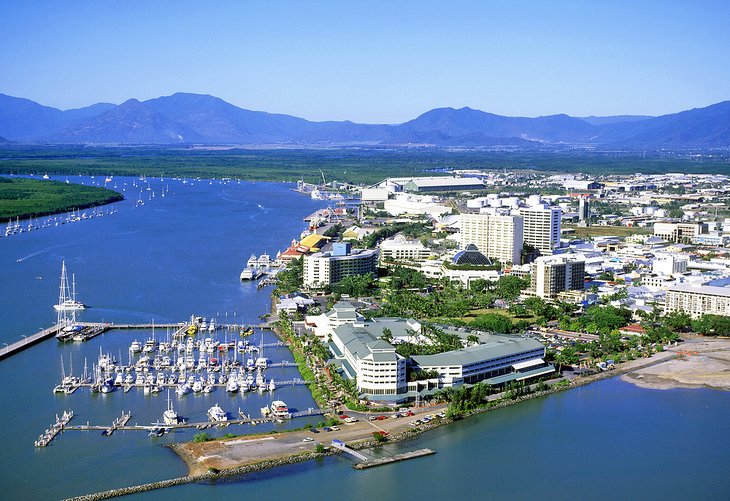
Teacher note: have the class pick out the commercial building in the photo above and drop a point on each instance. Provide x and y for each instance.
(498, 360)
(698, 300)
(581, 185)
(372, 362)
(682, 233)
(327, 268)
(411, 204)
(436, 183)
(553, 274)
(541, 227)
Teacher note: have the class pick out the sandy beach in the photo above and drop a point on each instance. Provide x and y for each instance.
(699, 362)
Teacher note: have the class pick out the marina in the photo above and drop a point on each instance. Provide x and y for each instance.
(84, 331)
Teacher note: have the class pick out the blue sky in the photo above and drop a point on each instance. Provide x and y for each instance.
(374, 61)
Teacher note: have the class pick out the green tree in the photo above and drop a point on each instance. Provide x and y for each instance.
(677, 321)
(509, 287)
(712, 325)
(494, 322)
(356, 285)
(518, 310)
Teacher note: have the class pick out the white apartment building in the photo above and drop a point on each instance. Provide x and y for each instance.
(399, 249)
(327, 268)
(497, 237)
(698, 300)
(669, 264)
(541, 227)
(504, 238)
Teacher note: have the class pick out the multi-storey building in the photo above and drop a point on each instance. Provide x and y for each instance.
(399, 249)
(553, 274)
(504, 238)
(682, 233)
(698, 300)
(498, 237)
(327, 268)
(669, 264)
(541, 227)
(375, 365)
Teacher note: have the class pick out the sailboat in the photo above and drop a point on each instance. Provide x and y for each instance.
(67, 295)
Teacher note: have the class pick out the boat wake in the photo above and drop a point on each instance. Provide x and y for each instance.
(37, 253)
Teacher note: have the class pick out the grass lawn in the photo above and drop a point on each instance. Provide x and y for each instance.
(483, 311)
(611, 231)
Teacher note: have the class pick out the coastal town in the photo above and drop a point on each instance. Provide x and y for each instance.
(444, 296)
(415, 302)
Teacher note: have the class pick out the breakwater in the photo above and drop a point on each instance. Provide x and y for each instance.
(205, 477)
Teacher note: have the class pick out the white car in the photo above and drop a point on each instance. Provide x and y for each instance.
(307, 439)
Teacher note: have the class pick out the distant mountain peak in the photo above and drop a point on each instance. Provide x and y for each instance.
(186, 117)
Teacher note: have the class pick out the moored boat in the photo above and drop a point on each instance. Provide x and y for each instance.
(280, 410)
(216, 414)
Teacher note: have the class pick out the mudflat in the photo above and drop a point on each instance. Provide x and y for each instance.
(697, 363)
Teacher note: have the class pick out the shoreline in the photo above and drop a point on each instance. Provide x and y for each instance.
(199, 471)
(696, 363)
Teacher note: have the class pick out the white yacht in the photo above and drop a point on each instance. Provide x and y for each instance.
(216, 414)
(183, 389)
(272, 385)
(252, 270)
(232, 386)
(280, 410)
(170, 416)
(135, 347)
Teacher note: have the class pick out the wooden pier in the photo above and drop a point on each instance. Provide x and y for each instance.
(393, 459)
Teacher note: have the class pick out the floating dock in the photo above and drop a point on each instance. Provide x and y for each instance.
(393, 459)
(60, 424)
(119, 422)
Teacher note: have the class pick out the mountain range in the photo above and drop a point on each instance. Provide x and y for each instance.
(184, 118)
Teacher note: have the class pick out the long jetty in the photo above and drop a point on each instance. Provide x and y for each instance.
(28, 341)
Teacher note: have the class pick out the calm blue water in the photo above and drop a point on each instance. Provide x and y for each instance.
(609, 440)
(163, 261)
(181, 255)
